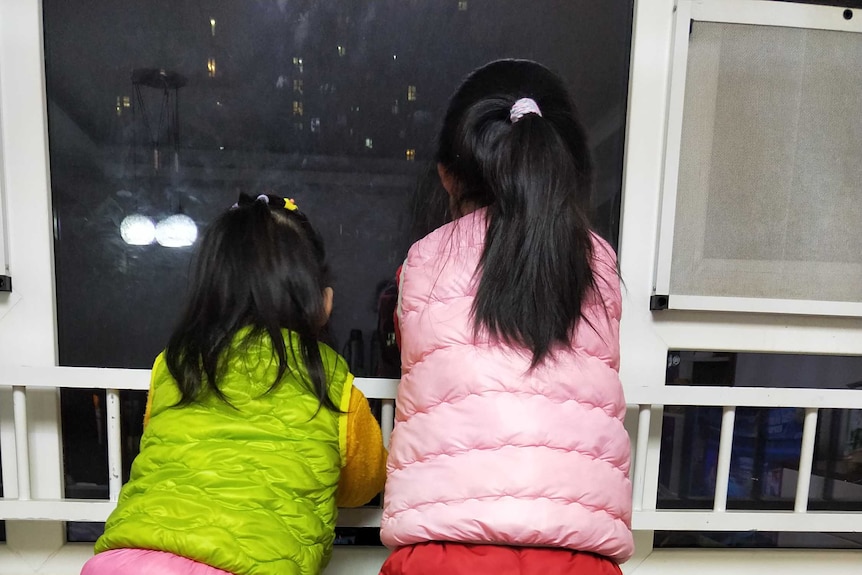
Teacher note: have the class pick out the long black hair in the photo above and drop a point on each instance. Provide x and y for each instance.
(534, 175)
(259, 266)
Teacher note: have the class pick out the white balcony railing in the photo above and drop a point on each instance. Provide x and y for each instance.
(19, 505)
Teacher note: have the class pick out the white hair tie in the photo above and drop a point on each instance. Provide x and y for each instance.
(523, 107)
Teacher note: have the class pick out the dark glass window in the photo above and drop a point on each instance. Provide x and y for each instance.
(767, 444)
(160, 112)
(2, 523)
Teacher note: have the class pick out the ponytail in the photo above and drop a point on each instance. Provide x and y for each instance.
(532, 176)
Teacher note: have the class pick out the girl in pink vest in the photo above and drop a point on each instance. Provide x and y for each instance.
(509, 453)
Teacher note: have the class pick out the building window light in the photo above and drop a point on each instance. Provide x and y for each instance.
(297, 86)
(341, 51)
(211, 67)
(462, 5)
(369, 143)
(411, 154)
(212, 26)
(297, 62)
(297, 108)
(315, 125)
(411, 93)
(123, 102)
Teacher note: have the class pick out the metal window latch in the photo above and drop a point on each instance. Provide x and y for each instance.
(5, 283)
(659, 302)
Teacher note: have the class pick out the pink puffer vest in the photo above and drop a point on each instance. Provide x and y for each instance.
(485, 452)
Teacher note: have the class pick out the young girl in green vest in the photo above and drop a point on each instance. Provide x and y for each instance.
(254, 432)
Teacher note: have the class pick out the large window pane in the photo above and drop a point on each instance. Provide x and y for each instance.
(766, 446)
(162, 109)
(335, 104)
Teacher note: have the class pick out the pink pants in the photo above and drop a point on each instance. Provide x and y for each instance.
(145, 562)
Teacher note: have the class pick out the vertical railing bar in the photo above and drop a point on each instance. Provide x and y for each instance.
(806, 460)
(387, 419)
(639, 475)
(115, 446)
(725, 448)
(22, 443)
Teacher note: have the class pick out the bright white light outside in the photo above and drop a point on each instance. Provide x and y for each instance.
(137, 230)
(176, 231)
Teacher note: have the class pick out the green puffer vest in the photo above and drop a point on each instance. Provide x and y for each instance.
(247, 488)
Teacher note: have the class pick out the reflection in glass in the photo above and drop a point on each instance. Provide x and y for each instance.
(836, 481)
(138, 230)
(85, 447)
(766, 446)
(176, 231)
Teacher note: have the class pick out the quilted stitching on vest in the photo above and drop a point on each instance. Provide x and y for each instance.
(250, 488)
(486, 451)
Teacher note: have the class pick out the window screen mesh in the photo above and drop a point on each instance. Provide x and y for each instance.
(768, 201)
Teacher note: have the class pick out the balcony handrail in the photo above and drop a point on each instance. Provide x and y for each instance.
(643, 399)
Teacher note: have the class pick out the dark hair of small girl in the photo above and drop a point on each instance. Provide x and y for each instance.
(534, 175)
(259, 266)
(429, 205)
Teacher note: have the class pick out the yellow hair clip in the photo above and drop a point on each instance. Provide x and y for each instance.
(290, 205)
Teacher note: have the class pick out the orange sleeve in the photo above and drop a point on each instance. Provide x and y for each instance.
(149, 406)
(160, 358)
(364, 468)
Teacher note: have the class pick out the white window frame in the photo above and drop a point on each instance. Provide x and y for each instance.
(28, 319)
(760, 13)
(646, 337)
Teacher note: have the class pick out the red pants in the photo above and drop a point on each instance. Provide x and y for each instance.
(462, 559)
